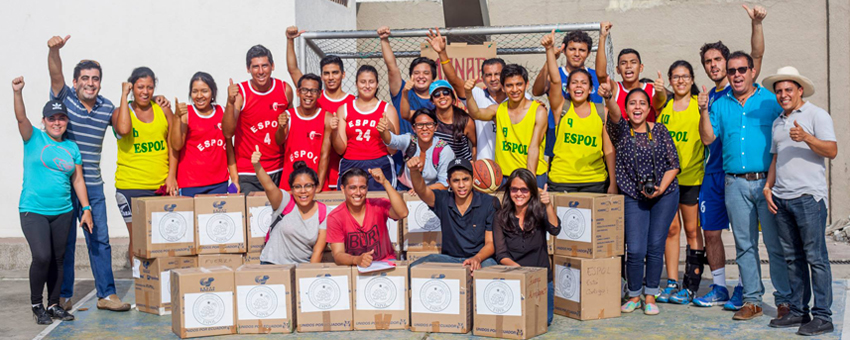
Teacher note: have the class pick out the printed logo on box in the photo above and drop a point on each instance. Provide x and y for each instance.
(435, 295)
(221, 228)
(218, 206)
(261, 301)
(421, 219)
(324, 293)
(567, 283)
(172, 226)
(208, 309)
(498, 297)
(380, 292)
(261, 279)
(575, 223)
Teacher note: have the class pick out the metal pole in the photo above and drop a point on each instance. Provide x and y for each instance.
(414, 54)
(407, 33)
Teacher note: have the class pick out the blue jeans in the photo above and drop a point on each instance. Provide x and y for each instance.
(550, 310)
(647, 224)
(746, 206)
(443, 258)
(801, 223)
(100, 252)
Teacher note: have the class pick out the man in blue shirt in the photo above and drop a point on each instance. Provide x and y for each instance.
(89, 115)
(742, 121)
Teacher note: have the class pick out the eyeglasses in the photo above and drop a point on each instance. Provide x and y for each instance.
(741, 70)
(441, 92)
(423, 126)
(305, 90)
(682, 78)
(523, 191)
(306, 187)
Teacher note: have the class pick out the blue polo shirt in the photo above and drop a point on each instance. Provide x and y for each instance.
(463, 235)
(714, 151)
(87, 129)
(745, 131)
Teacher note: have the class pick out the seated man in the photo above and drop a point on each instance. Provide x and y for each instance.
(466, 216)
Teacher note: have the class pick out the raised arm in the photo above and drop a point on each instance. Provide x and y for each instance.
(282, 127)
(339, 140)
(54, 63)
(601, 58)
(393, 73)
(606, 93)
(543, 81)
(272, 190)
(485, 114)
(177, 133)
(659, 98)
(398, 209)
(24, 125)
(540, 124)
(383, 128)
(706, 131)
(291, 60)
(551, 215)
(422, 190)
(438, 43)
(231, 111)
(121, 122)
(757, 14)
(556, 98)
(404, 103)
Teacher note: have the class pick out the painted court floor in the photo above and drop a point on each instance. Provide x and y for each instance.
(674, 322)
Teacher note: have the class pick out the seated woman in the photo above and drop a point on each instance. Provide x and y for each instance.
(434, 154)
(294, 236)
(521, 224)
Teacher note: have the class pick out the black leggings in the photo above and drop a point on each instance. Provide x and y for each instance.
(47, 237)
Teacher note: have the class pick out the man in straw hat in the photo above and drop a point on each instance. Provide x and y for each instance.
(796, 191)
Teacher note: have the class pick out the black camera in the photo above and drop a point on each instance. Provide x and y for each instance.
(647, 183)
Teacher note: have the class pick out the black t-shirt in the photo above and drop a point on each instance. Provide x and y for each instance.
(526, 250)
(463, 235)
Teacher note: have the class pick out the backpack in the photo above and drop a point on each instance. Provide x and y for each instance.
(435, 156)
(323, 213)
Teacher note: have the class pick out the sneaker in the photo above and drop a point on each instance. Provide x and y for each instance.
(57, 312)
(113, 303)
(815, 327)
(748, 311)
(718, 295)
(629, 306)
(651, 309)
(788, 320)
(682, 297)
(66, 303)
(737, 301)
(41, 316)
(672, 288)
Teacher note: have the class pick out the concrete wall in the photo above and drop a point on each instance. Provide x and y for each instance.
(797, 33)
(174, 38)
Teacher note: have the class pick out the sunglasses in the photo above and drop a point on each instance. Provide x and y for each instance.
(741, 70)
(441, 92)
(523, 191)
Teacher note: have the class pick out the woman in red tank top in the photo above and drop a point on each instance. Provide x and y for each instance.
(202, 166)
(356, 136)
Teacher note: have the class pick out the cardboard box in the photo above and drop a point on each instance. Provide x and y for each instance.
(203, 302)
(591, 225)
(259, 218)
(334, 198)
(381, 298)
(510, 302)
(422, 229)
(440, 298)
(163, 226)
(324, 297)
(251, 258)
(153, 282)
(220, 221)
(587, 289)
(412, 256)
(233, 261)
(265, 299)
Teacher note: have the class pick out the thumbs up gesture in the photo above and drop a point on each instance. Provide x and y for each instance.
(334, 122)
(232, 92)
(57, 42)
(548, 41)
(470, 84)
(383, 124)
(659, 82)
(798, 134)
(255, 157)
(366, 259)
(702, 99)
(604, 90)
(292, 32)
(180, 109)
(282, 120)
(757, 13)
(544, 195)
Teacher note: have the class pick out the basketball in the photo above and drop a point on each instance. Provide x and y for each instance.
(487, 176)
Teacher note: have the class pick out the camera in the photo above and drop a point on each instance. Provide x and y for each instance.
(647, 183)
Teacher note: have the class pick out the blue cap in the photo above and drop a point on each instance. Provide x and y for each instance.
(438, 84)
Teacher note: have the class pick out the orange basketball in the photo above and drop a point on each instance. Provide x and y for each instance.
(487, 176)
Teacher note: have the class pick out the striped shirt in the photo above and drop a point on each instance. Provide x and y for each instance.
(87, 129)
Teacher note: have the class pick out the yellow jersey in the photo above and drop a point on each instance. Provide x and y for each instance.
(684, 130)
(577, 151)
(143, 154)
(513, 140)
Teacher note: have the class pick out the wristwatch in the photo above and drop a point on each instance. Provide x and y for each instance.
(88, 207)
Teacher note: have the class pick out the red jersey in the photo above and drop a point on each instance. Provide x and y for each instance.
(621, 100)
(203, 159)
(331, 105)
(257, 125)
(304, 143)
(364, 141)
(371, 235)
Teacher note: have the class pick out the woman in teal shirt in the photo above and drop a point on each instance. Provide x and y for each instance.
(51, 165)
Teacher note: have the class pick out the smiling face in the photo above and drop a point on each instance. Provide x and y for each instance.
(332, 76)
(443, 98)
(201, 95)
(87, 85)
(515, 88)
(355, 191)
(637, 107)
(460, 181)
(519, 192)
(491, 76)
(367, 85)
(261, 71)
(303, 190)
(681, 79)
(789, 95)
(714, 65)
(629, 67)
(308, 93)
(421, 77)
(143, 91)
(55, 125)
(576, 53)
(424, 127)
(579, 87)
(741, 82)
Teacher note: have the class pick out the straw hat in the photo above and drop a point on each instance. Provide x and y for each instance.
(790, 73)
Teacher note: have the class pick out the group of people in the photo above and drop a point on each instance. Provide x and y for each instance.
(682, 158)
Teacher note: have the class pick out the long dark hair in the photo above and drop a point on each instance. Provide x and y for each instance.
(459, 119)
(535, 214)
(686, 65)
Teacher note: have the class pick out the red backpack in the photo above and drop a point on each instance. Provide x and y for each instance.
(323, 212)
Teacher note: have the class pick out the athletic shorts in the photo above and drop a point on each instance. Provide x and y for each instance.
(385, 163)
(219, 188)
(689, 194)
(597, 187)
(250, 183)
(712, 202)
(125, 198)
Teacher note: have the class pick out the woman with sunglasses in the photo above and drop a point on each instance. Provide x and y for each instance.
(204, 153)
(453, 123)
(53, 171)
(297, 233)
(356, 136)
(521, 224)
(681, 117)
(647, 165)
(583, 157)
(432, 153)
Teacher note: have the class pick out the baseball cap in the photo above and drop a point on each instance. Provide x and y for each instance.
(460, 163)
(438, 84)
(53, 107)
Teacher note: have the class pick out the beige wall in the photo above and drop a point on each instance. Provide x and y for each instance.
(665, 31)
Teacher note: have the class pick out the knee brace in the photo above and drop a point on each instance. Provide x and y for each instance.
(694, 265)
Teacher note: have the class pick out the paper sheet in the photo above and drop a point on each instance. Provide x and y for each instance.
(165, 286)
(421, 219)
(214, 309)
(261, 218)
(324, 294)
(376, 266)
(220, 228)
(498, 297)
(568, 283)
(261, 302)
(435, 296)
(575, 224)
(172, 227)
(380, 293)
